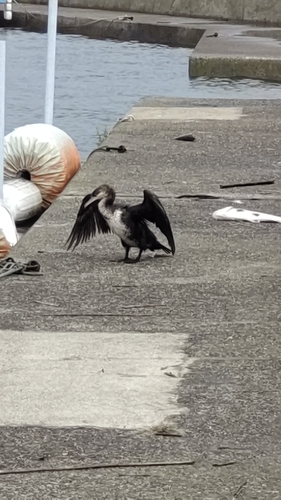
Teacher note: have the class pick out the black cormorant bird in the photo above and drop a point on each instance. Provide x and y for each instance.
(99, 212)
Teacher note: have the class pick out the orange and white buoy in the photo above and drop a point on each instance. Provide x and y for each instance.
(46, 154)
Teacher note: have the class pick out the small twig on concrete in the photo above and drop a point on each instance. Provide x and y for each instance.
(199, 196)
(44, 303)
(248, 197)
(44, 457)
(186, 137)
(170, 374)
(140, 306)
(244, 184)
(225, 464)
(134, 475)
(95, 466)
(238, 491)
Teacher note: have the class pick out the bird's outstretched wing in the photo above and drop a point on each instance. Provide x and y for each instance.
(151, 209)
(88, 221)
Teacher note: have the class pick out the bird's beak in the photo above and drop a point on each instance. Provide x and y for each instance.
(90, 201)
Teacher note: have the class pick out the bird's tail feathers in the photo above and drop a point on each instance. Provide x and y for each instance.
(162, 247)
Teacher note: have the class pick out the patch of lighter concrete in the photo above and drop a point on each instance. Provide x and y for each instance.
(95, 379)
(185, 113)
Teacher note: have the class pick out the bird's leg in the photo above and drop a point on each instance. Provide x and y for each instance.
(133, 261)
(127, 253)
(126, 258)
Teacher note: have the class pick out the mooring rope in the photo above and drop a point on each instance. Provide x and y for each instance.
(10, 266)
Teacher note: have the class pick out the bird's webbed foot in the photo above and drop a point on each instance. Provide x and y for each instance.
(132, 261)
(127, 250)
(127, 260)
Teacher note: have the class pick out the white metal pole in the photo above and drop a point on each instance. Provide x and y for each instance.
(51, 60)
(8, 14)
(2, 111)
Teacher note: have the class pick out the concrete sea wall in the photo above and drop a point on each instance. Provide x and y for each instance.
(262, 11)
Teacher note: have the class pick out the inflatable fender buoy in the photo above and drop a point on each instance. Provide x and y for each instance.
(43, 154)
(22, 198)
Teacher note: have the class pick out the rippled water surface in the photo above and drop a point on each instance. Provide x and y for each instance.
(97, 81)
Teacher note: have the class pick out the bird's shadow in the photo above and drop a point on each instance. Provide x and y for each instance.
(161, 256)
(145, 259)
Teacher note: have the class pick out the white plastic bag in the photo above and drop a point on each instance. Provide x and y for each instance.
(231, 213)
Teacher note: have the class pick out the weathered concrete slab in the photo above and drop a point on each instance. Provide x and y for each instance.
(102, 24)
(237, 54)
(186, 114)
(265, 11)
(236, 51)
(90, 379)
(216, 302)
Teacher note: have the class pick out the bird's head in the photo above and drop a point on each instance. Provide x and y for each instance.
(102, 192)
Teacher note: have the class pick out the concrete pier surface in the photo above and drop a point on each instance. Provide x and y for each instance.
(99, 358)
(237, 50)
(263, 11)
